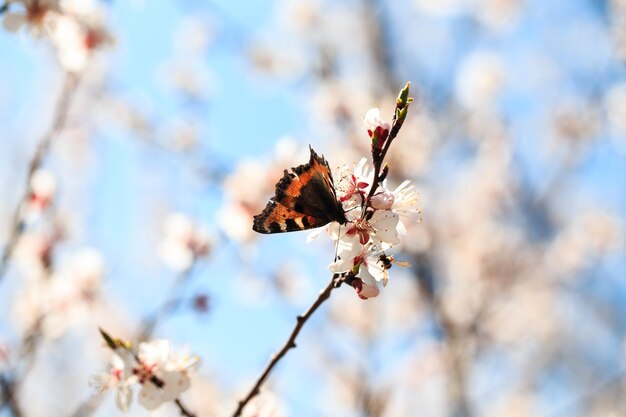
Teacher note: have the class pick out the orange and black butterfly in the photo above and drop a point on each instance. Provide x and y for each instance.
(305, 198)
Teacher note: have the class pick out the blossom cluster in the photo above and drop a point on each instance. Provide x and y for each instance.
(161, 373)
(74, 27)
(373, 210)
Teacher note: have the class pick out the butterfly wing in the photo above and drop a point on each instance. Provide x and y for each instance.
(305, 199)
(277, 218)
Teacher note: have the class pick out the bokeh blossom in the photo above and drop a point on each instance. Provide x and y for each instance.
(183, 242)
(76, 28)
(38, 17)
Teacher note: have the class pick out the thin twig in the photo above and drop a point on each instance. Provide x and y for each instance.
(183, 410)
(378, 157)
(61, 111)
(335, 282)
(7, 388)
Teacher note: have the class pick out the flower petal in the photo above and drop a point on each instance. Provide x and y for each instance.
(13, 22)
(368, 291)
(123, 397)
(382, 201)
(314, 234)
(384, 223)
(150, 396)
(175, 383)
(341, 265)
(375, 269)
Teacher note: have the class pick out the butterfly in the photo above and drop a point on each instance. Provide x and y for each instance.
(305, 198)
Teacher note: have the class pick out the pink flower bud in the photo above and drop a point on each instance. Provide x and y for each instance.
(42, 189)
(376, 128)
(382, 201)
(363, 290)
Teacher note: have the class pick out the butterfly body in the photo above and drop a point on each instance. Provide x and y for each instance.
(305, 199)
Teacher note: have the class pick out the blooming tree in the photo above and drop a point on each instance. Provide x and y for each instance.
(140, 139)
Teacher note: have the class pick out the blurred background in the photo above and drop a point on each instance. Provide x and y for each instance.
(136, 149)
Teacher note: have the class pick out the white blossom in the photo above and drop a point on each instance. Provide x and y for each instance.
(38, 17)
(352, 187)
(183, 242)
(364, 261)
(161, 373)
(480, 80)
(373, 121)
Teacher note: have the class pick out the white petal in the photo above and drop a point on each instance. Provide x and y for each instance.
(361, 168)
(155, 351)
(178, 226)
(176, 254)
(123, 397)
(366, 276)
(100, 382)
(341, 265)
(375, 269)
(385, 222)
(186, 362)
(372, 119)
(349, 245)
(382, 201)
(150, 396)
(401, 228)
(175, 383)
(401, 187)
(334, 229)
(348, 248)
(125, 361)
(12, 22)
(314, 234)
(73, 59)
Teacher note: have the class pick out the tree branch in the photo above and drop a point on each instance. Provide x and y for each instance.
(335, 282)
(7, 389)
(61, 111)
(183, 410)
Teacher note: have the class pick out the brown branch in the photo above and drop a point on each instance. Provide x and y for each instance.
(61, 111)
(335, 282)
(7, 389)
(183, 410)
